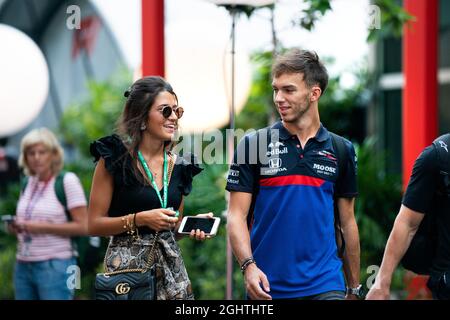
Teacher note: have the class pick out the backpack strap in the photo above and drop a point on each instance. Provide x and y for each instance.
(61, 194)
(342, 156)
(23, 183)
(341, 152)
(255, 139)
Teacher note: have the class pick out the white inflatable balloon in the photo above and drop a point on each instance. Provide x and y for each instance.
(24, 80)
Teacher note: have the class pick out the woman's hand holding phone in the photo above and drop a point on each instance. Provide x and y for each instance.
(198, 234)
(200, 227)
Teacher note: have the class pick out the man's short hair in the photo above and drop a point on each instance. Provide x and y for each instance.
(304, 62)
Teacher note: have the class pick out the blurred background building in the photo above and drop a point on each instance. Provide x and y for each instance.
(385, 114)
(72, 56)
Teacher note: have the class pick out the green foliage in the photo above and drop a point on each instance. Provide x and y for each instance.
(7, 260)
(8, 203)
(342, 110)
(392, 17)
(376, 206)
(97, 116)
(315, 11)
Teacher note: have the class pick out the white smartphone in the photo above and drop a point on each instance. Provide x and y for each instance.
(207, 225)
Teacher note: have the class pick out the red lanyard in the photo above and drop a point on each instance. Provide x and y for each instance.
(34, 198)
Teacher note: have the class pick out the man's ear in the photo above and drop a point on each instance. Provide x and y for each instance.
(315, 93)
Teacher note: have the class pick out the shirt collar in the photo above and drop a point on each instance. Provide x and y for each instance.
(321, 135)
(284, 134)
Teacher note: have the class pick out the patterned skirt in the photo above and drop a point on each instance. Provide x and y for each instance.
(173, 282)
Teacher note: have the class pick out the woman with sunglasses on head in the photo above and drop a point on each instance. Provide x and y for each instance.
(139, 186)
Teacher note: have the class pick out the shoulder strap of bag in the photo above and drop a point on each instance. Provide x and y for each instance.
(148, 265)
(342, 156)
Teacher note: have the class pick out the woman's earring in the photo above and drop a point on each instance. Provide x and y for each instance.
(143, 127)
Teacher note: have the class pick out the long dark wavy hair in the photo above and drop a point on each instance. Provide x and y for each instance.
(140, 98)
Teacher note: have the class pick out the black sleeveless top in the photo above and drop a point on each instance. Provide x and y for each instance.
(130, 195)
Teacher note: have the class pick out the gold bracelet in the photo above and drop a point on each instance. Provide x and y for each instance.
(124, 222)
(130, 225)
(134, 220)
(135, 226)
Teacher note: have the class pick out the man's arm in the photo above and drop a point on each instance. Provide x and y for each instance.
(351, 236)
(240, 242)
(405, 227)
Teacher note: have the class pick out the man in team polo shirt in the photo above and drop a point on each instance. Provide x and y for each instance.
(282, 182)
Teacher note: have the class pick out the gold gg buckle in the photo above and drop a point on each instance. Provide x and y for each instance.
(122, 288)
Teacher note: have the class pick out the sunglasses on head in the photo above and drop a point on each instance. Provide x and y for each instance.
(167, 111)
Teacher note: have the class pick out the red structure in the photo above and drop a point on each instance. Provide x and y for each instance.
(420, 98)
(420, 94)
(85, 37)
(152, 37)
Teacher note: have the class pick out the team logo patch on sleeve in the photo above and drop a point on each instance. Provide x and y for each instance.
(233, 175)
(327, 155)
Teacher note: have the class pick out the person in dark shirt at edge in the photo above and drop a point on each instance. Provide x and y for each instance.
(427, 193)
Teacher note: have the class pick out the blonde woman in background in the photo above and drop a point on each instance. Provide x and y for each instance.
(43, 228)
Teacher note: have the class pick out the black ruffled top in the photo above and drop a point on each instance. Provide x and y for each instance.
(130, 195)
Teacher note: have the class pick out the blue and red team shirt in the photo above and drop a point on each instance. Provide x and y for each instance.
(292, 212)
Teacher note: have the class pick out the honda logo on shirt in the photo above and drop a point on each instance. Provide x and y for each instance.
(275, 163)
